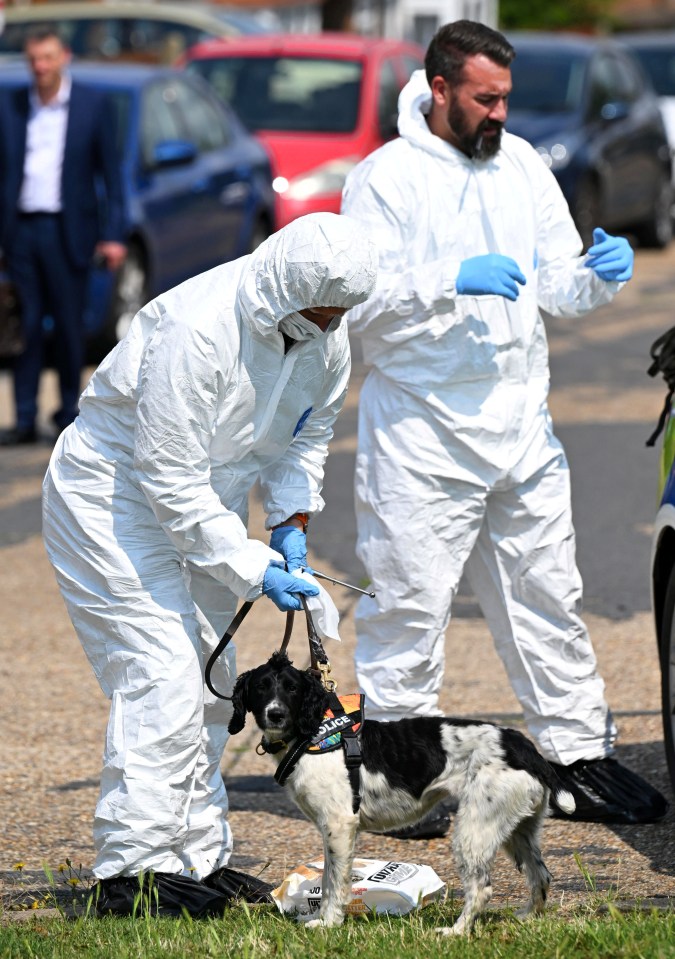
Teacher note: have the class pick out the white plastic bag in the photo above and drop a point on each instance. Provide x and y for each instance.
(377, 885)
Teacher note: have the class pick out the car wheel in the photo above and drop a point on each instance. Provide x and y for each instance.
(667, 659)
(657, 231)
(261, 231)
(586, 211)
(131, 291)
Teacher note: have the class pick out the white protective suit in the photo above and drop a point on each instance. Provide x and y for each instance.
(456, 451)
(145, 511)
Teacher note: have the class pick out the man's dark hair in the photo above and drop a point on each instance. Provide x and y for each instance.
(43, 31)
(454, 42)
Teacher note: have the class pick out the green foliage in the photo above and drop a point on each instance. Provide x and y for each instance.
(553, 14)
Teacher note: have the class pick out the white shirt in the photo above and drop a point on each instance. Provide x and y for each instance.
(45, 146)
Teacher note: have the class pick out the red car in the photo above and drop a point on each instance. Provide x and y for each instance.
(319, 104)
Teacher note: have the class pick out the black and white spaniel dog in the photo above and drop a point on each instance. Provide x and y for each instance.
(498, 779)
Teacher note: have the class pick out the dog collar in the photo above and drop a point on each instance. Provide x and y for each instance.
(264, 746)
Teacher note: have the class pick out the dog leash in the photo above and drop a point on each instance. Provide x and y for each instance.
(319, 663)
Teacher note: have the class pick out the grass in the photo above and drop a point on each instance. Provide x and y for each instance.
(261, 932)
(598, 930)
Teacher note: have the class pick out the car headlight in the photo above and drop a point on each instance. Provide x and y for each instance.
(556, 156)
(327, 178)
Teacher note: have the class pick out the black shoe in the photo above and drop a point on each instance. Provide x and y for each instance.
(237, 885)
(605, 791)
(161, 894)
(18, 436)
(434, 825)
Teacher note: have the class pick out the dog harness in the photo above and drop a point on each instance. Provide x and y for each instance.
(340, 728)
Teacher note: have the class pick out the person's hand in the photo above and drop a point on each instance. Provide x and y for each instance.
(611, 257)
(113, 253)
(490, 273)
(291, 542)
(284, 589)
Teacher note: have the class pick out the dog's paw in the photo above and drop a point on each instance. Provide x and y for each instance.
(455, 930)
(320, 922)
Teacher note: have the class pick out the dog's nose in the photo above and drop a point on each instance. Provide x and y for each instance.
(275, 715)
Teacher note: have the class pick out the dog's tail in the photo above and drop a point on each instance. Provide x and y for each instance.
(522, 754)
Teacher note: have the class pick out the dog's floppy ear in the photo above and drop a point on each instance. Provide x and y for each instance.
(239, 704)
(314, 705)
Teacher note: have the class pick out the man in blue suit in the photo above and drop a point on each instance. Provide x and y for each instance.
(57, 149)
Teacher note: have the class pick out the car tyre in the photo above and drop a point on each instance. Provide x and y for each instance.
(261, 231)
(131, 290)
(667, 661)
(657, 231)
(586, 211)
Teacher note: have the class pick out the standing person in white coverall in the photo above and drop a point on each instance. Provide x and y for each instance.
(456, 453)
(234, 376)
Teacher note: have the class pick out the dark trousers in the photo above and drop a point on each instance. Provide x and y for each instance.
(49, 285)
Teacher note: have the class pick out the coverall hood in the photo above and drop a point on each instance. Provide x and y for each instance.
(321, 259)
(414, 105)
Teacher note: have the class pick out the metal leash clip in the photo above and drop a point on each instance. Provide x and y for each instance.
(319, 660)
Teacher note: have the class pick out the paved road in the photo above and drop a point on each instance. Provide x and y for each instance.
(53, 715)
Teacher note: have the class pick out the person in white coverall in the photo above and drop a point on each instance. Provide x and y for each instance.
(457, 462)
(234, 376)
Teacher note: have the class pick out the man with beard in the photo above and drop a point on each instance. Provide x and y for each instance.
(457, 464)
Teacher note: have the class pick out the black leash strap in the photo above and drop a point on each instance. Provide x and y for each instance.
(319, 664)
(662, 352)
(229, 633)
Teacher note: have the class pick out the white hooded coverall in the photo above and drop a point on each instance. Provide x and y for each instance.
(456, 454)
(145, 508)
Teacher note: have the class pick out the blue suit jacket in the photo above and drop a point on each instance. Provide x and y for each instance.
(90, 157)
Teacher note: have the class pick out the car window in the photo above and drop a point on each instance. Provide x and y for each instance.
(387, 100)
(410, 64)
(287, 93)
(114, 37)
(204, 122)
(159, 121)
(659, 65)
(609, 83)
(547, 81)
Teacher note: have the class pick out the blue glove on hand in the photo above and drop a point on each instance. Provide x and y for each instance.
(611, 257)
(284, 589)
(491, 273)
(291, 542)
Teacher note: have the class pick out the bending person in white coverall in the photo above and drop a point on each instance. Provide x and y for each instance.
(233, 376)
(456, 453)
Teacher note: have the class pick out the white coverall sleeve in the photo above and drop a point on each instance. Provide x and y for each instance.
(566, 286)
(406, 295)
(293, 483)
(179, 386)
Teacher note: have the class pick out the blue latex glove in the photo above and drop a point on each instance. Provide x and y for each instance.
(491, 273)
(291, 542)
(611, 257)
(284, 590)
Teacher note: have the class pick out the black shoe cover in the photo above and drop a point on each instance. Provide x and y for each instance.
(605, 791)
(435, 825)
(237, 885)
(161, 894)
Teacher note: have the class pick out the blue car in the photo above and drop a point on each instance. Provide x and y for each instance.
(587, 107)
(197, 188)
